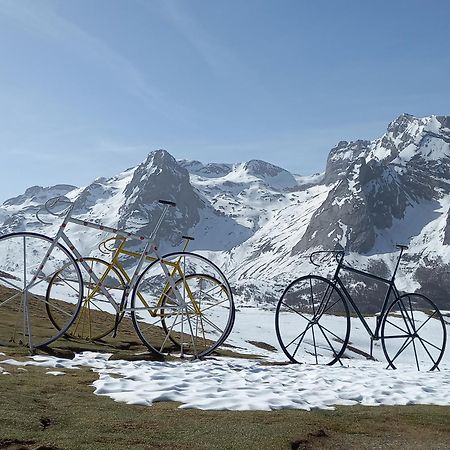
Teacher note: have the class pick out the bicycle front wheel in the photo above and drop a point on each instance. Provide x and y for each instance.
(28, 264)
(182, 304)
(413, 332)
(312, 321)
(97, 317)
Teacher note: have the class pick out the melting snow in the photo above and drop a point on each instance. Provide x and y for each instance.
(245, 384)
(230, 384)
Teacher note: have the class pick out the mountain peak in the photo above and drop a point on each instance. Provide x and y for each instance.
(402, 123)
(258, 167)
(159, 158)
(269, 174)
(210, 170)
(39, 194)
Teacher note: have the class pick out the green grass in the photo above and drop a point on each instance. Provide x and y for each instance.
(124, 346)
(61, 412)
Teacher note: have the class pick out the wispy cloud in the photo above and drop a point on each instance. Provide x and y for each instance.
(41, 18)
(218, 57)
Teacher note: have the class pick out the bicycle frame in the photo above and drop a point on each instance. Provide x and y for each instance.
(115, 262)
(374, 334)
(319, 306)
(149, 248)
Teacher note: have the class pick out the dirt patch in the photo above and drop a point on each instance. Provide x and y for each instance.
(15, 444)
(263, 345)
(304, 444)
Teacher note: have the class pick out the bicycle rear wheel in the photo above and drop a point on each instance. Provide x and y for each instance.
(413, 332)
(191, 312)
(28, 263)
(312, 321)
(97, 316)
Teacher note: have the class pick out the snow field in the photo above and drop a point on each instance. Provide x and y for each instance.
(248, 384)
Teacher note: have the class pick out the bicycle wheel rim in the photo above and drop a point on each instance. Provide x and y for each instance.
(21, 255)
(413, 332)
(312, 321)
(186, 318)
(97, 317)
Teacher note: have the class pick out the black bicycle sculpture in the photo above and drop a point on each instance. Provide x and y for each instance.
(312, 321)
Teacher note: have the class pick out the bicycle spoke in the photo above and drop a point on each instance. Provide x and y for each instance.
(314, 343)
(212, 324)
(13, 286)
(200, 325)
(397, 336)
(53, 306)
(429, 318)
(402, 348)
(407, 320)
(325, 299)
(415, 354)
(192, 335)
(330, 345)
(295, 311)
(335, 303)
(4, 302)
(428, 353)
(24, 264)
(70, 286)
(413, 322)
(396, 326)
(301, 339)
(301, 334)
(312, 296)
(19, 313)
(40, 280)
(205, 319)
(216, 304)
(430, 343)
(335, 335)
(161, 349)
(78, 320)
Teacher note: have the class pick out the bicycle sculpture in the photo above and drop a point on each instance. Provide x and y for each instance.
(179, 303)
(312, 320)
(91, 323)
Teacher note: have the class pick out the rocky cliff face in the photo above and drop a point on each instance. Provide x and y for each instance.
(160, 177)
(377, 182)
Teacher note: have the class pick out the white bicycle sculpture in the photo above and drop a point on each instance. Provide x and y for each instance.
(180, 303)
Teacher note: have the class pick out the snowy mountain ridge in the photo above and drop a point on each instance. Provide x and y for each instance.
(259, 222)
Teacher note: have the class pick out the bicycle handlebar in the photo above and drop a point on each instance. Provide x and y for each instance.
(50, 204)
(107, 249)
(337, 253)
(53, 202)
(167, 202)
(340, 254)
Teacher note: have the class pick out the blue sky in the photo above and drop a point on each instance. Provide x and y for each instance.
(90, 87)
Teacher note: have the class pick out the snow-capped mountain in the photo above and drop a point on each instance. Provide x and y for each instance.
(260, 222)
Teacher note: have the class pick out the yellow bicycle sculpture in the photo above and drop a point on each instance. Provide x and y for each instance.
(207, 299)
